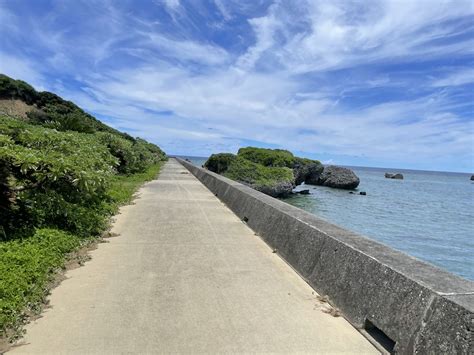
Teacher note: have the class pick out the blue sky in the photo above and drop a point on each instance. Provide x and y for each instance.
(379, 83)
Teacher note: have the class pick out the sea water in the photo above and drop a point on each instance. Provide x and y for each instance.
(428, 214)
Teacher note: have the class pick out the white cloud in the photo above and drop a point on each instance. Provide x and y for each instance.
(269, 109)
(172, 4)
(215, 98)
(456, 78)
(340, 34)
(223, 9)
(185, 50)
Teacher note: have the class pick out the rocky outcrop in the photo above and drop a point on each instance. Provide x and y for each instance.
(280, 189)
(308, 173)
(274, 181)
(338, 177)
(472, 177)
(314, 174)
(396, 176)
(276, 172)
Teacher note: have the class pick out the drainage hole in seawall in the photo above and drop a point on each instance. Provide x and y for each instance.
(379, 336)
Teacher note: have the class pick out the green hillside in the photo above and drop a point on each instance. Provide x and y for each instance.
(63, 173)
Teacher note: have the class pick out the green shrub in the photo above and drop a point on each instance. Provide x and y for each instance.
(133, 156)
(219, 163)
(268, 157)
(146, 155)
(50, 177)
(53, 111)
(17, 89)
(27, 265)
(257, 175)
(272, 171)
(58, 183)
(152, 148)
(122, 149)
(63, 119)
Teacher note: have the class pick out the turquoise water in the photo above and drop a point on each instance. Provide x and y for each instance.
(429, 215)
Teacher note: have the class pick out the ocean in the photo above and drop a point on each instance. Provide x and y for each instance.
(429, 215)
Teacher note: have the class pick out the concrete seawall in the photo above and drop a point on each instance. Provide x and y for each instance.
(408, 305)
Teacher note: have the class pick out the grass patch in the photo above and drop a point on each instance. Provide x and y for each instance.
(26, 268)
(28, 265)
(122, 187)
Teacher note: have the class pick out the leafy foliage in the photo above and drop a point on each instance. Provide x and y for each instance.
(268, 157)
(52, 111)
(52, 178)
(63, 173)
(257, 175)
(133, 157)
(272, 171)
(26, 267)
(54, 169)
(219, 163)
(17, 89)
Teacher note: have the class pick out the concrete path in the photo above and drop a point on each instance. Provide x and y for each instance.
(186, 276)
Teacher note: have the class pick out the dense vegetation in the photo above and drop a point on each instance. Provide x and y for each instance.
(63, 173)
(273, 171)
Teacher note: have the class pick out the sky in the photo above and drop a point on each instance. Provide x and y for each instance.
(387, 83)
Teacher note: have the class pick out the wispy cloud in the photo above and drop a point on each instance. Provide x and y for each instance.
(389, 82)
(458, 77)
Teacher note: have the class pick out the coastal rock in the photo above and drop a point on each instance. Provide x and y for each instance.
(281, 189)
(363, 193)
(303, 192)
(276, 172)
(308, 173)
(339, 177)
(300, 172)
(314, 172)
(397, 176)
(472, 177)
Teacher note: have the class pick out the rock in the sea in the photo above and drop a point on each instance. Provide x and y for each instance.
(472, 177)
(276, 172)
(338, 177)
(397, 176)
(363, 193)
(273, 181)
(303, 192)
(280, 189)
(307, 172)
(313, 174)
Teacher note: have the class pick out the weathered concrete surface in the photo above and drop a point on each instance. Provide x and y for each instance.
(422, 308)
(186, 276)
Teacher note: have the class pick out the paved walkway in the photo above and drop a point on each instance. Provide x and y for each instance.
(186, 276)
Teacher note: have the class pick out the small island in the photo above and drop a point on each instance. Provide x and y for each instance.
(277, 172)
